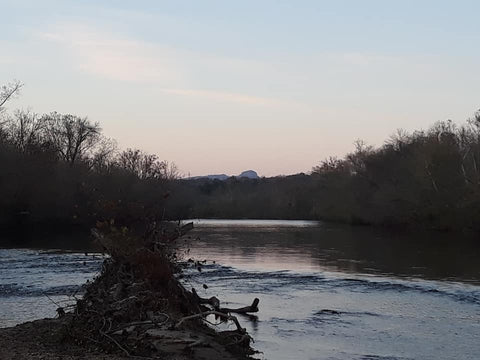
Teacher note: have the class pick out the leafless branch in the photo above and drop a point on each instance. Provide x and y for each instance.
(8, 91)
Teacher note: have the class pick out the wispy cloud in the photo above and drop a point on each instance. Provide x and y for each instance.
(115, 58)
(122, 59)
(224, 96)
(366, 59)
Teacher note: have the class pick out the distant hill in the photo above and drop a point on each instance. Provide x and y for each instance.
(250, 174)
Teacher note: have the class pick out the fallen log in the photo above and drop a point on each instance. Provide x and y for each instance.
(215, 303)
(243, 310)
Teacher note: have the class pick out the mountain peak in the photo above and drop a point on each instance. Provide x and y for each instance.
(249, 174)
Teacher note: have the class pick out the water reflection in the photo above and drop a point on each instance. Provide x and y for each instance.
(332, 304)
(334, 292)
(310, 246)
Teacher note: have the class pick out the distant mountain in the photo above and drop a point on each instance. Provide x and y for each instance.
(250, 174)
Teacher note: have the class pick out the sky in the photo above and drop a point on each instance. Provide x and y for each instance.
(225, 86)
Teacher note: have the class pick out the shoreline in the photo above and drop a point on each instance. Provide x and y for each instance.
(42, 339)
(135, 308)
(46, 339)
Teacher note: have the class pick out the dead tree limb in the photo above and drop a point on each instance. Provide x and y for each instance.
(8, 91)
(212, 312)
(243, 310)
(213, 301)
(138, 323)
(116, 343)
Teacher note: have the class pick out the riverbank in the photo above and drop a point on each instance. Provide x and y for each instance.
(47, 339)
(42, 339)
(135, 307)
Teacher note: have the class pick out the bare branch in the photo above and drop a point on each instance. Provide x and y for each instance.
(8, 91)
(212, 312)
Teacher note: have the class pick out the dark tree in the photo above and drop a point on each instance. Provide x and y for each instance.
(73, 137)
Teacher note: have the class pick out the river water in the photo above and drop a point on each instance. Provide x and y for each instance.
(326, 291)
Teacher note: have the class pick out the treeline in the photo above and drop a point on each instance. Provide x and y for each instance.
(426, 178)
(429, 179)
(59, 170)
(291, 197)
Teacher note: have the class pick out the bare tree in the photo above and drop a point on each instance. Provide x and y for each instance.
(104, 156)
(146, 166)
(25, 129)
(6, 93)
(358, 157)
(72, 137)
(398, 140)
(171, 171)
(328, 165)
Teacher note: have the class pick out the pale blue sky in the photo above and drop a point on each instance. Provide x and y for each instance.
(224, 86)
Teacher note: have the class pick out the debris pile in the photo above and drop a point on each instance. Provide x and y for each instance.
(138, 307)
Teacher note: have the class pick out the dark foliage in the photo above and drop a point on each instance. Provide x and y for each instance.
(59, 170)
(290, 197)
(427, 179)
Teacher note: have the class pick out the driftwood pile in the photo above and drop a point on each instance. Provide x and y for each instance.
(137, 306)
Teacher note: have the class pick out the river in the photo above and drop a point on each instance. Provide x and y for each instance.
(326, 291)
